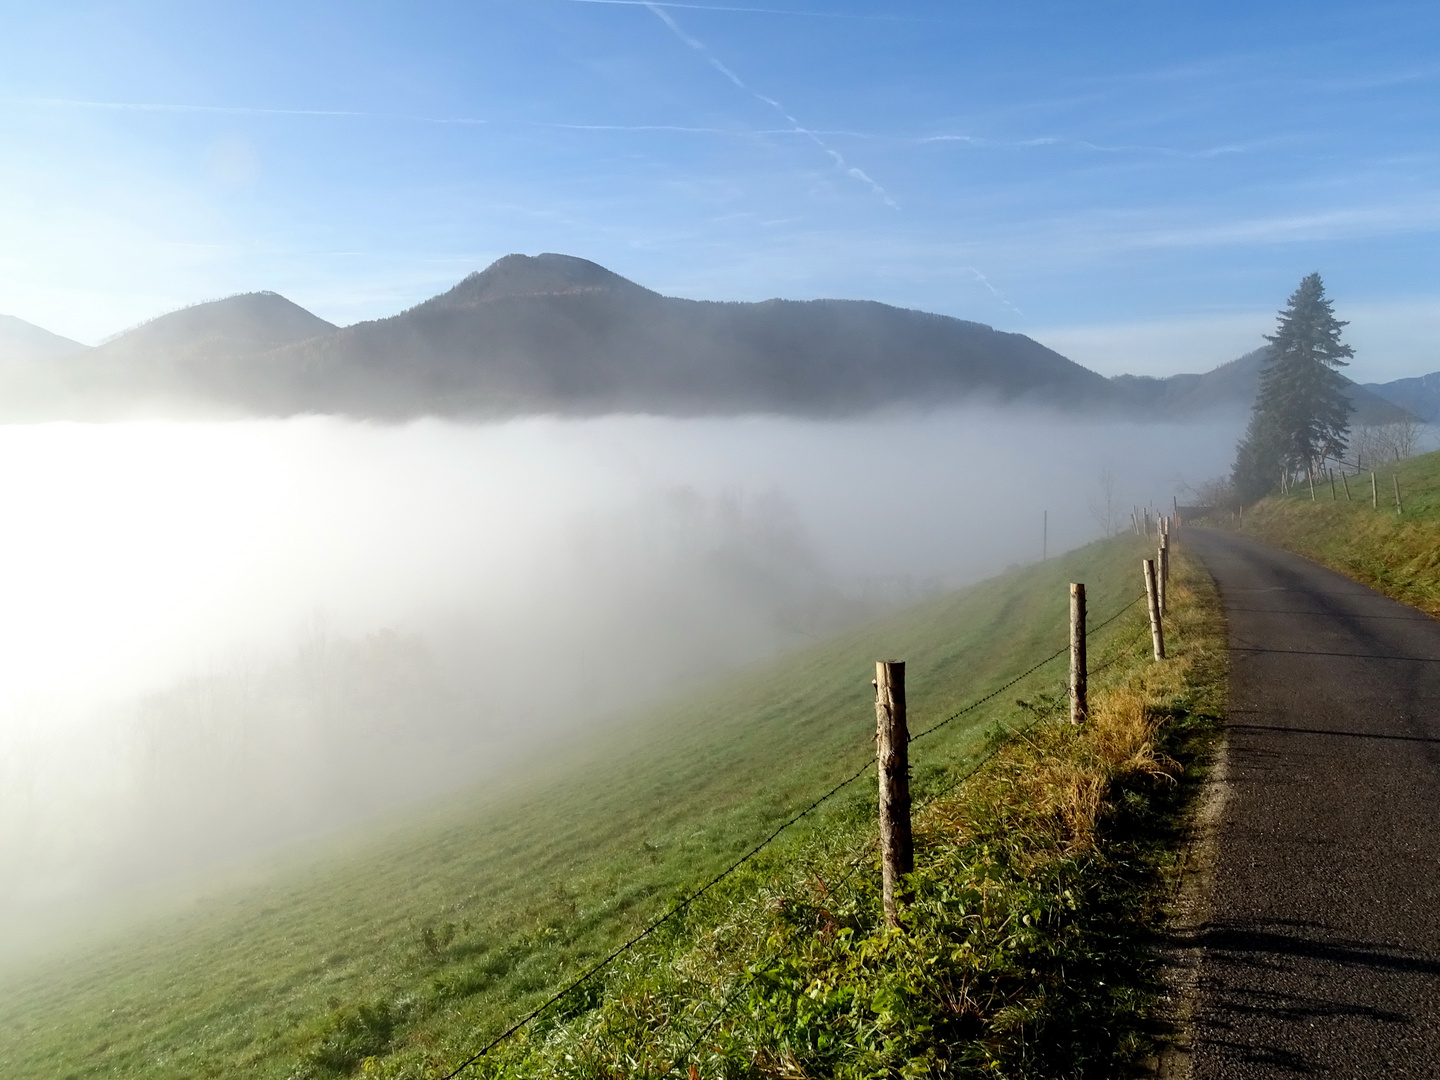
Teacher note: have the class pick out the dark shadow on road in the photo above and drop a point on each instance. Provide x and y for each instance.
(1349, 655)
(1336, 734)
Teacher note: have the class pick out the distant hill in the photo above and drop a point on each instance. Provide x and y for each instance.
(1420, 395)
(236, 326)
(25, 343)
(559, 334)
(1231, 386)
(553, 333)
(171, 361)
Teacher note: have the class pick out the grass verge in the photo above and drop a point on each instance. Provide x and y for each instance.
(1394, 552)
(1027, 949)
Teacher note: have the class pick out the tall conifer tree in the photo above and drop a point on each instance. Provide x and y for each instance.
(1301, 414)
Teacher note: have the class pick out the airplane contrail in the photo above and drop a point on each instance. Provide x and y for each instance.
(840, 163)
(865, 16)
(993, 290)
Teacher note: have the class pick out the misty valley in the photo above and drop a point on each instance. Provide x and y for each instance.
(321, 621)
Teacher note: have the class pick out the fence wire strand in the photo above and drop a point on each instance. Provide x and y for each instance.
(684, 904)
(934, 797)
(1023, 675)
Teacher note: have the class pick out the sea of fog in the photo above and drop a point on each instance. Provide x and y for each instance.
(215, 637)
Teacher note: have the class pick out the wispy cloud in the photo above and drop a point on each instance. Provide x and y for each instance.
(167, 107)
(815, 135)
(1321, 225)
(835, 156)
(241, 110)
(1078, 144)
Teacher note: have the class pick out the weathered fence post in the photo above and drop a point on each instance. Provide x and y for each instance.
(897, 851)
(1398, 508)
(1312, 484)
(1346, 484)
(1374, 492)
(1079, 694)
(1157, 635)
(1162, 571)
(1333, 496)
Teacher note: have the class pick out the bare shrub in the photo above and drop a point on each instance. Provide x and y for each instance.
(1103, 507)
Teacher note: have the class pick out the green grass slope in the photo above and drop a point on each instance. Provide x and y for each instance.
(422, 940)
(1025, 947)
(1395, 552)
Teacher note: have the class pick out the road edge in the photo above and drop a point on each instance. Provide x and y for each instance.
(1181, 938)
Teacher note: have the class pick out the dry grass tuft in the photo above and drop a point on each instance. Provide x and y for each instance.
(1060, 780)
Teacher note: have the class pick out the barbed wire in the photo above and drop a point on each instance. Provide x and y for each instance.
(654, 925)
(933, 798)
(1024, 674)
(660, 920)
(757, 969)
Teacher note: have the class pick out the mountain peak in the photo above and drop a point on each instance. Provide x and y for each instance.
(531, 275)
(246, 322)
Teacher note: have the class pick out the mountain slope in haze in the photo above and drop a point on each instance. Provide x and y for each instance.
(24, 343)
(1233, 385)
(554, 333)
(1420, 395)
(557, 334)
(238, 325)
(162, 363)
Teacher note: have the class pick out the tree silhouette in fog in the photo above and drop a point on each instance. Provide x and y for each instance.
(1301, 414)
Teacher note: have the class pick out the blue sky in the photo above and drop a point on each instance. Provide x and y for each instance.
(1138, 185)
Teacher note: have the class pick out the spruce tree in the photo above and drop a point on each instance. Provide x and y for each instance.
(1301, 414)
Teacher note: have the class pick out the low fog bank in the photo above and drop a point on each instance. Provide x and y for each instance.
(223, 636)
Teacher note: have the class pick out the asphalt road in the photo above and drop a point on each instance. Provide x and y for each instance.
(1321, 956)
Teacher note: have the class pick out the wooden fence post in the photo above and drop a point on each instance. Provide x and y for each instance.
(1162, 572)
(1374, 492)
(1333, 496)
(1312, 484)
(1398, 508)
(1346, 484)
(897, 851)
(1079, 693)
(1157, 635)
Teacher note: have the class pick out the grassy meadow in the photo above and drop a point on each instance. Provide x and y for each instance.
(1394, 552)
(398, 951)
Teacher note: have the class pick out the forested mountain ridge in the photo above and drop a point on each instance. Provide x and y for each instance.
(552, 334)
(1420, 395)
(1233, 385)
(558, 334)
(561, 335)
